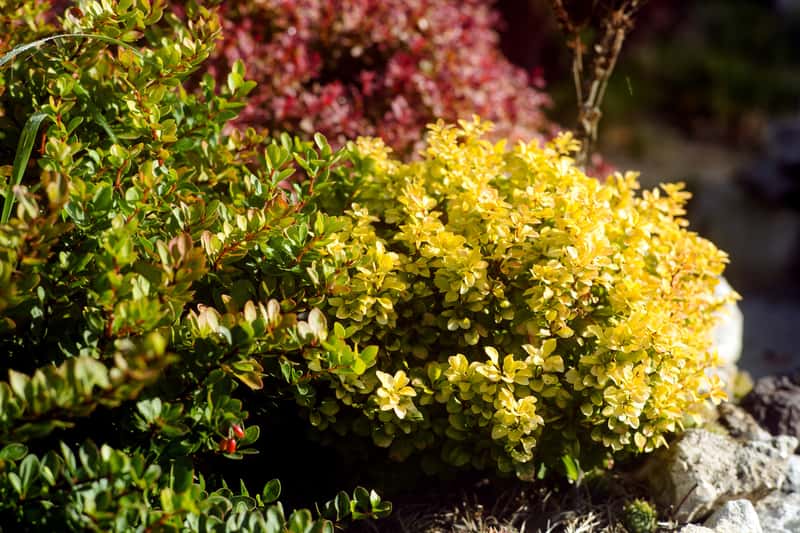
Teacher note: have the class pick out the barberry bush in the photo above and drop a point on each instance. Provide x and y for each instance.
(148, 279)
(376, 67)
(527, 315)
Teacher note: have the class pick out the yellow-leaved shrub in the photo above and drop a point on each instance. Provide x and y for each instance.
(524, 312)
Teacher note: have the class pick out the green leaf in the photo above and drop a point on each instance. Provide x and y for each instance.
(339, 331)
(271, 491)
(150, 409)
(359, 367)
(103, 198)
(300, 521)
(28, 473)
(275, 519)
(15, 482)
(286, 371)
(69, 459)
(251, 435)
(13, 452)
(18, 382)
(318, 324)
(96, 114)
(24, 149)
(374, 499)
(361, 500)
(382, 510)
(152, 473)
(342, 505)
(47, 475)
(322, 144)
(182, 475)
(572, 467)
(252, 378)
(322, 526)
(368, 355)
(89, 456)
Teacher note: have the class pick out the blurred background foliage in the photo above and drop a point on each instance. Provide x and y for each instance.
(706, 92)
(715, 69)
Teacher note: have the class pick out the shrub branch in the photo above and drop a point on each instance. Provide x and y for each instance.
(614, 20)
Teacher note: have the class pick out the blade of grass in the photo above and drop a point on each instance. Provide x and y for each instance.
(21, 158)
(31, 127)
(8, 56)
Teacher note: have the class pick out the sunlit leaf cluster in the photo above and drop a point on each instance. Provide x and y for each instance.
(524, 311)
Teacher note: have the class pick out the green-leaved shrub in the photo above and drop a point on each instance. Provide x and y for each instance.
(151, 280)
(525, 313)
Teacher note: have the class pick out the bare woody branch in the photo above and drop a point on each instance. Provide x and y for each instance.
(593, 62)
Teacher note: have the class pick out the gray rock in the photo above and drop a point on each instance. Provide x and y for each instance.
(728, 334)
(736, 516)
(703, 470)
(728, 331)
(792, 482)
(740, 423)
(775, 403)
(694, 528)
(779, 513)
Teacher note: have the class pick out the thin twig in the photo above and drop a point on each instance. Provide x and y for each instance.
(616, 19)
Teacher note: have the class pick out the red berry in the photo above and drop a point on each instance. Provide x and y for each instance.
(238, 431)
(231, 446)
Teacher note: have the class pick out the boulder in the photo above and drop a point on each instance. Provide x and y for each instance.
(694, 528)
(774, 402)
(739, 423)
(703, 470)
(736, 516)
(792, 481)
(729, 328)
(728, 336)
(779, 513)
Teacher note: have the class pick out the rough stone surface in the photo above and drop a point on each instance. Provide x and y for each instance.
(740, 423)
(736, 516)
(703, 470)
(728, 331)
(792, 481)
(694, 528)
(775, 403)
(779, 513)
(728, 336)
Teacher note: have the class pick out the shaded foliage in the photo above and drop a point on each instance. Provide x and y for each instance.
(142, 280)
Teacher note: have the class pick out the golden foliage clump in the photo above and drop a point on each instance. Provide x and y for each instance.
(524, 311)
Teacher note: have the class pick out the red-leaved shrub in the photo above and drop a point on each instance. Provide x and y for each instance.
(376, 67)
